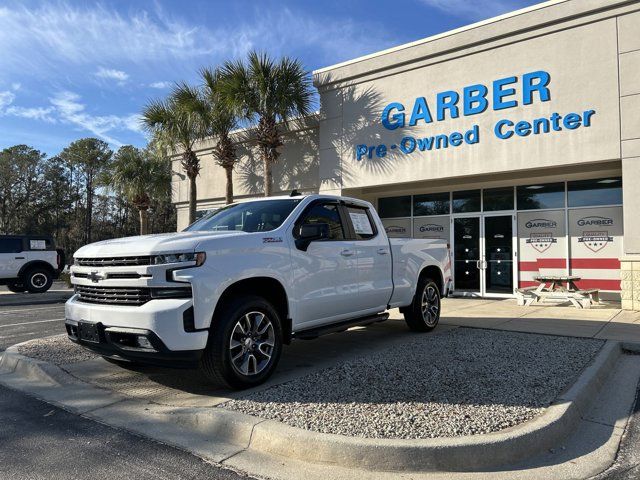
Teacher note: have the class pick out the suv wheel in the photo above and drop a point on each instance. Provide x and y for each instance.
(38, 280)
(423, 314)
(245, 342)
(16, 287)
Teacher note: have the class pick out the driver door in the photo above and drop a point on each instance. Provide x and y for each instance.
(325, 275)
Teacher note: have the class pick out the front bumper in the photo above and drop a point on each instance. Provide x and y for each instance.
(161, 322)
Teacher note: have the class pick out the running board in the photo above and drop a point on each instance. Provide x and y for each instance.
(312, 333)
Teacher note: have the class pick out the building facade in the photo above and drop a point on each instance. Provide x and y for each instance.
(516, 139)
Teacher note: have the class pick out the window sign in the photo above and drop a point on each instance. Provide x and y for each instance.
(542, 244)
(596, 247)
(37, 244)
(397, 227)
(431, 227)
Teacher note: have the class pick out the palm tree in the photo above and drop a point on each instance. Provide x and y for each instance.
(178, 127)
(219, 120)
(266, 92)
(139, 176)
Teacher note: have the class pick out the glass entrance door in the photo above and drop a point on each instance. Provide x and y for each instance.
(498, 254)
(466, 255)
(483, 250)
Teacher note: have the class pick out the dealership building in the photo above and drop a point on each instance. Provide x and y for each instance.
(516, 139)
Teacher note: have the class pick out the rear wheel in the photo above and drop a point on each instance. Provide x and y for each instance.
(38, 280)
(245, 343)
(423, 314)
(16, 287)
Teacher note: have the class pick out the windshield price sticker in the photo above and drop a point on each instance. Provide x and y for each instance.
(361, 223)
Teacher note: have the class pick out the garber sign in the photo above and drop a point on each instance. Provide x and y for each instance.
(506, 93)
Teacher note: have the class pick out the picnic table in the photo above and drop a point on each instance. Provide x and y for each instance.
(558, 287)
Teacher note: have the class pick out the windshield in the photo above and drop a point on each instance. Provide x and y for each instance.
(259, 216)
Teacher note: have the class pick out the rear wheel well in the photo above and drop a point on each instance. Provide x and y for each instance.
(435, 274)
(35, 264)
(266, 287)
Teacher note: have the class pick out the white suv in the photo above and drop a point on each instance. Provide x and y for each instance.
(29, 262)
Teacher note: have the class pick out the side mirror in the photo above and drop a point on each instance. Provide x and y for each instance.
(311, 232)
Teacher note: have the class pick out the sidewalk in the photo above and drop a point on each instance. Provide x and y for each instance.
(605, 322)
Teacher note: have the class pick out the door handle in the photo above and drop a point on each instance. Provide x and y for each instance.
(346, 253)
(382, 251)
(19, 258)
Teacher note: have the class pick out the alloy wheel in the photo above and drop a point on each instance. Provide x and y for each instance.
(430, 305)
(252, 343)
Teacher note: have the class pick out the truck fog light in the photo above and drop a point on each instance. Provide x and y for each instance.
(143, 342)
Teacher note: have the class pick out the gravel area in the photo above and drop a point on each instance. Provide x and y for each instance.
(462, 382)
(57, 349)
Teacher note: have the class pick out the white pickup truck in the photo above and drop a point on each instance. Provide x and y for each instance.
(227, 293)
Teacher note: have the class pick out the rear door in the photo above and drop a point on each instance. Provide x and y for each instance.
(375, 283)
(325, 275)
(12, 256)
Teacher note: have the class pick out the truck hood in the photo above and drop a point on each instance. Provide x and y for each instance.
(150, 244)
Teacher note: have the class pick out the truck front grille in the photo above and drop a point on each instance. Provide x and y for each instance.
(114, 295)
(115, 261)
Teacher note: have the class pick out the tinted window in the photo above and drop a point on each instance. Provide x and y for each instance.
(260, 216)
(10, 245)
(466, 201)
(602, 191)
(361, 221)
(550, 195)
(497, 199)
(431, 204)
(390, 207)
(329, 214)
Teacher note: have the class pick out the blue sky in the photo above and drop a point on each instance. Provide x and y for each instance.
(75, 69)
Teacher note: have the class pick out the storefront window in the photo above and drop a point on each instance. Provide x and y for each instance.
(466, 201)
(533, 197)
(431, 204)
(494, 199)
(392, 207)
(601, 191)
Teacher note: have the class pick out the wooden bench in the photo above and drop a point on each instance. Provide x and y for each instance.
(578, 298)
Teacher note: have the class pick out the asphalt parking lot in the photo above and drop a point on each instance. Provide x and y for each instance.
(25, 316)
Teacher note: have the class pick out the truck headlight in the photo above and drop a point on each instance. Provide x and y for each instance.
(199, 258)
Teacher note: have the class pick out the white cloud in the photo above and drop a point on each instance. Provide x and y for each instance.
(16, 86)
(160, 85)
(112, 74)
(34, 113)
(70, 109)
(474, 9)
(6, 99)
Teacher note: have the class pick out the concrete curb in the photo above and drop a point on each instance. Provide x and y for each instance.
(449, 454)
(219, 434)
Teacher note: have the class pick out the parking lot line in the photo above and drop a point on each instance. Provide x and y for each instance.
(29, 323)
(3, 312)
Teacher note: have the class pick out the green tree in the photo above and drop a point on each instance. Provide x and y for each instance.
(20, 187)
(267, 92)
(177, 127)
(219, 120)
(87, 158)
(140, 177)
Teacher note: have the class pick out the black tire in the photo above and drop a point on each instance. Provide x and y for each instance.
(16, 287)
(225, 364)
(423, 314)
(38, 280)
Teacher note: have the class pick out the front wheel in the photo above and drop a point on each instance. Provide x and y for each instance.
(423, 314)
(245, 342)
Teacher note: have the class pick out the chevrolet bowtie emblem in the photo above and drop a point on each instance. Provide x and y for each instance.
(95, 277)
